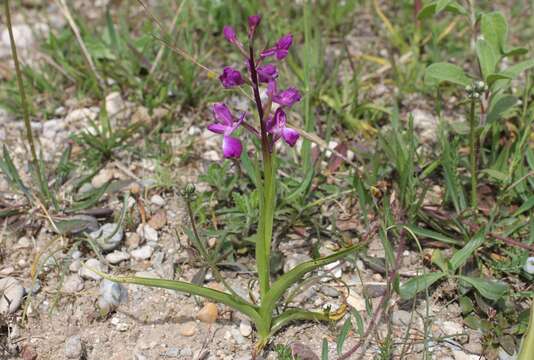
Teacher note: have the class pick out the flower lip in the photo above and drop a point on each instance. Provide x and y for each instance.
(267, 73)
(287, 97)
(276, 125)
(231, 77)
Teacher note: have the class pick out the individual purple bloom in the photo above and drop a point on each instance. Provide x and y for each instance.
(226, 125)
(267, 73)
(281, 48)
(253, 22)
(276, 125)
(230, 77)
(286, 97)
(229, 34)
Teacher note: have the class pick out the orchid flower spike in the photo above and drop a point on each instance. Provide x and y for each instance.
(281, 48)
(226, 124)
(276, 125)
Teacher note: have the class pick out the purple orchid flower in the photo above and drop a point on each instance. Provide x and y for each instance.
(281, 48)
(285, 97)
(229, 34)
(276, 125)
(231, 77)
(226, 124)
(267, 73)
(253, 22)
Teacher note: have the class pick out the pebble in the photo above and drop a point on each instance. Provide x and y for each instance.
(74, 347)
(172, 352)
(116, 257)
(356, 301)
(12, 293)
(142, 253)
(293, 260)
(141, 116)
(427, 125)
(375, 290)
(157, 200)
(75, 266)
(460, 355)
(73, 284)
(402, 318)
(113, 293)
(334, 269)
(529, 265)
(188, 329)
(329, 291)
(23, 36)
(108, 237)
(84, 115)
(132, 240)
(115, 105)
(7, 270)
(158, 220)
(186, 353)
(211, 155)
(89, 274)
(208, 314)
(52, 127)
(239, 339)
(102, 178)
(147, 232)
(245, 328)
(451, 328)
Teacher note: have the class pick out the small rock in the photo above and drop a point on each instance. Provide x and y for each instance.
(142, 253)
(172, 352)
(460, 355)
(334, 269)
(12, 293)
(474, 347)
(452, 328)
(116, 257)
(73, 284)
(403, 318)
(329, 291)
(113, 293)
(23, 36)
(239, 339)
(293, 260)
(186, 353)
(375, 290)
(115, 105)
(108, 237)
(141, 116)
(157, 200)
(356, 301)
(75, 266)
(74, 347)
(158, 220)
(148, 233)
(52, 127)
(188, 329)
(132, 240)
(529, 265)
(86, 273)
(28, 352)
(211, 155)
(208, 313)
(302, 351)
(83, 115)
(102, 178)
(7, 270)
(245, 328)
(426, 124)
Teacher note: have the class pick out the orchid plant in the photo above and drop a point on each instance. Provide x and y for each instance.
(271, 126)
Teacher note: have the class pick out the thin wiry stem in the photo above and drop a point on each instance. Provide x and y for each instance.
(22, 92)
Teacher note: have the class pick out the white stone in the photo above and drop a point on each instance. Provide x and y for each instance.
(74, 347)
(115, 105)
(83, 115)
(142, 253)
(102, 178)
(113, 293)
(75, 266)
(12, 293)
(157, 200)
(148, 233)
(52, 127)
(108, 237)
(460, 355)
(245, 328)
(73, 284)
(293, 260)
(356, 301)
(86, 273)
(426, 124)
(451, 328)
(211, 155)
(116, 257)
(529, 265)
(23, 36)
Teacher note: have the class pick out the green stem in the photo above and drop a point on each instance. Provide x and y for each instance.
(527, 348)
(473, 154)
(24, 102)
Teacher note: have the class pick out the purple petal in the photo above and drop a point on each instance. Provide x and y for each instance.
(223, 114)
(229, 34)
(218, 128)
(290, 136)
(269, 124)
(231, 77)
(287, 97)
(253, 22)
(284, 43)
(267, 73)
(271, 89)
(281, 53)
(268, 52)
(280, 118)
(238, 122)
(231, 147)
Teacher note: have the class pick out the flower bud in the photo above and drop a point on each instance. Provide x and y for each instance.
(253, 22)
(469, 89)
(229, 34)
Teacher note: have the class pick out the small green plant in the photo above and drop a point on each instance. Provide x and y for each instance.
(267, 316)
